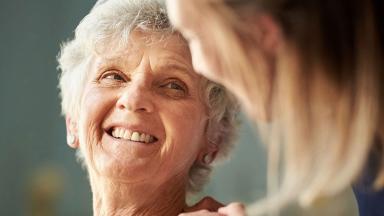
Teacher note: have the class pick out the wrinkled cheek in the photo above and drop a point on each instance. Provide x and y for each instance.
(193, 138)
(89, 128)
(179, 150)
(173, 160)
(89, 142)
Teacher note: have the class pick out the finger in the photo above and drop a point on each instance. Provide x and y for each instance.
(207, 203)
(233, 209)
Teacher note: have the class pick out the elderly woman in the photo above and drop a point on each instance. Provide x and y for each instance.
(145, 125)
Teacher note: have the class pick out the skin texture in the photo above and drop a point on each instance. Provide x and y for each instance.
(148, 88)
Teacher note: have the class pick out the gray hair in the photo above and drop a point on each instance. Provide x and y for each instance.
(109, 24)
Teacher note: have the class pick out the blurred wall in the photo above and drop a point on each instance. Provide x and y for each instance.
(35, 162)
(36, 165)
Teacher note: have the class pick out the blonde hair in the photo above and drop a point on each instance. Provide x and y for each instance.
(108, 26)
(326, 93)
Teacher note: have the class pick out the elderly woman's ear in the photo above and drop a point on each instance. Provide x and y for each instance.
(72, 136)
(208, 154)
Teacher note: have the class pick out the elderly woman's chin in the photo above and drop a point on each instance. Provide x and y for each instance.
(124, 168)
(123, 160)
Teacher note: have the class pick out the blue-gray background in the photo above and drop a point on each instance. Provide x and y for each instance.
(36, 166)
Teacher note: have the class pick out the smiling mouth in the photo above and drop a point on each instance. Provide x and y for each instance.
(134, 136)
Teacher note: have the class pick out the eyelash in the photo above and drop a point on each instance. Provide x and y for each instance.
(175, 88)
(122, 77)
(179, 86)
(114, 77)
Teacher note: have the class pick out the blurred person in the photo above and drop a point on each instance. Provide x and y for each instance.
(312, 68)
(145, 125)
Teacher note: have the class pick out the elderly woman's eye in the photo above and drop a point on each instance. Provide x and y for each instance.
(113, 76)
(175, 89)
(175, 86)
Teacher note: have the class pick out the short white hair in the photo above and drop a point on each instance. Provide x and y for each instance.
(109, 24)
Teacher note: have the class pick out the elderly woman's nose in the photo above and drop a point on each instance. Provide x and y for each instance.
(136, 97)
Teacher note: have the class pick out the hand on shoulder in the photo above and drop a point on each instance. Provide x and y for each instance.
(210, 207)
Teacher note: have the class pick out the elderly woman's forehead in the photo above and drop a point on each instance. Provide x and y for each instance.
(150, 37)
(140, 40)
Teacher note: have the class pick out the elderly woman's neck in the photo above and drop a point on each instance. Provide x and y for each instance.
(122, 199)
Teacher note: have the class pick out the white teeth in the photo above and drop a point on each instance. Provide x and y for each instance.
(114, 133)
(135, 137)
(120, 132)
(142, 137)
(127, 135)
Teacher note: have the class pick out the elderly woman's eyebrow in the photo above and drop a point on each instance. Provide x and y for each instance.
(105, 63)
(165, 68)
(178, 67)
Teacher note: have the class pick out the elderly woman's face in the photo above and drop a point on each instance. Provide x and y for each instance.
(142, 117)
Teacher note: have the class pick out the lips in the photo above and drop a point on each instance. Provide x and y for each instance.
(131, 135)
